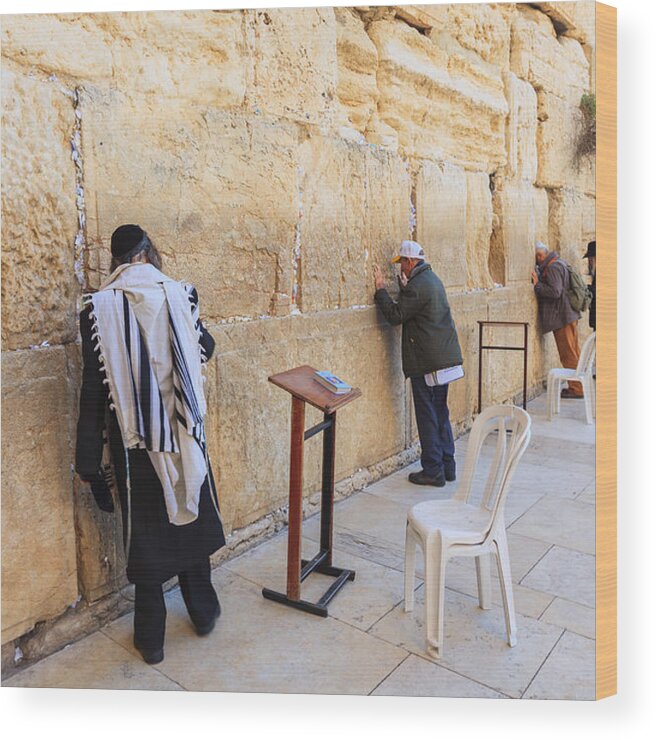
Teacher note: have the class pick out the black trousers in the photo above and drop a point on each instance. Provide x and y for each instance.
(150, 610)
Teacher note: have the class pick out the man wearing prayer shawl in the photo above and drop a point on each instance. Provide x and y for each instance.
(141, 424)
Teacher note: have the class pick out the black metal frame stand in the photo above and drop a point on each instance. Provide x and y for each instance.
(481, 347)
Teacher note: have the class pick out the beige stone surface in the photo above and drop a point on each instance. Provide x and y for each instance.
(566, 523)
(443, 101)
(357, 63)
(441, 202)
(480, 28)
(294, 62)
(281, 650)
(419, 677)
(39, 217)
(475, 641)
(572, 617)
(478, 230)
(565, 572)
(249, 417)
(95, 662)
(217, 219)
(568, 673)
(39, 576)
(521, 218)
(555, 64)
(521, 129)
(333, 225)
(566, 224)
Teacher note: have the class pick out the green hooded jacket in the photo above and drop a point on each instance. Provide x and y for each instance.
(429, 340)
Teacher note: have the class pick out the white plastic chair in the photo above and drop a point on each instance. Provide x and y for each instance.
(559, 376)
(454, 527)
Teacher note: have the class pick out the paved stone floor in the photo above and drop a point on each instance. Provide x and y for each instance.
(368, 644)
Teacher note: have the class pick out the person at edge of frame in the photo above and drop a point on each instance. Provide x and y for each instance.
(550, 280)
(141, 413)
(429, 343)
(591, 256)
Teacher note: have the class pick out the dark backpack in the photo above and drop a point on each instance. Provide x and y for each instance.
(578, 292)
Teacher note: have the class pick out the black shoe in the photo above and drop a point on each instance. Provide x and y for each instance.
(450, 469)
(150, 656)
(207, 628)
(422, 479)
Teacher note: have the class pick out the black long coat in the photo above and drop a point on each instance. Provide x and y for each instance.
(158, 549)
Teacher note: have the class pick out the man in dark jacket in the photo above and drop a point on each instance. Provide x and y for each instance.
(556, 312)
(591, 256)
(429, 343)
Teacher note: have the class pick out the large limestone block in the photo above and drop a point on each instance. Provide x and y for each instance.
(574, 19)
(249, 418)
(217, 192)
(357, 62)
(556, 64)
(478, 230)
(559, 124)
(71, 44)
(389, 211)
(197, 56)
(295, 62)
(355, 209)
(504, 369)
(521, 129)
(441, 200)
(39, 216)
(39, 578)
(443, 101)
(332, 224)
(521, 218)
(479, 27)
(566, 223)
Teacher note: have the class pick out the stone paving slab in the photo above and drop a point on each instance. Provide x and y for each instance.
(475, 642)
(570, 524)
(261, 646)
(566, 573)
(571, 616)
(568, 673)
(95, 662)
(419, 677)
(360, 603)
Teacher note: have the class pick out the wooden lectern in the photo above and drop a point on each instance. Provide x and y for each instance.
(301, 383)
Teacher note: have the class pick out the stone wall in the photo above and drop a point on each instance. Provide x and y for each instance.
(274, 156)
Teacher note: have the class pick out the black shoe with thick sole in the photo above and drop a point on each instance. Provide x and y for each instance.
(150, 656)
(423, 479)
(205, 629)
(450, 470)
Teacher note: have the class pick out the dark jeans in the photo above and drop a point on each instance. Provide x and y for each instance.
(433, 424)
(150, 611)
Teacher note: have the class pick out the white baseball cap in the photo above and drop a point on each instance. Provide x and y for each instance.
(410, 249)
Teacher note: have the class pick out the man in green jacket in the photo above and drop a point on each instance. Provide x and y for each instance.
(429, 343)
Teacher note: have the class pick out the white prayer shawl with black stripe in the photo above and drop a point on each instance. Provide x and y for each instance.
(147, 329)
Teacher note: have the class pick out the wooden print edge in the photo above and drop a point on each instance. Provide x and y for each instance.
(606, 442)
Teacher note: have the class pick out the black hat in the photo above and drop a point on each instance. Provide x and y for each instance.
(125, 239)
(592, 250)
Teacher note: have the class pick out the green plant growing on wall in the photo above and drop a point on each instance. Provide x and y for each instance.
(586, 143)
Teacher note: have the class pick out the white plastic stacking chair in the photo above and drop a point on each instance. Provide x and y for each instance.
(455, 527)
(559, 376)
